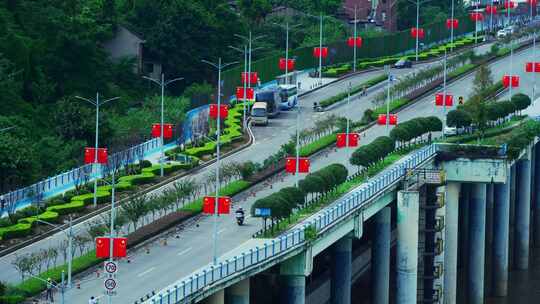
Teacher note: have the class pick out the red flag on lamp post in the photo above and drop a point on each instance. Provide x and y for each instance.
(476, 16)
(417, 33)
(439, 100)
(90, 155)
(320, 52)
(382, 119)
(510, 81)
(223, 111)
(103, 247)
(253, 77)
(452, 23)
(491, 9)
(286, 63)
(167, 131)
(509, 4)
(531, 67)
(341, 140)
(250, 93)
(352, 42)
(120, 247)
(209, 205)
(303, 166)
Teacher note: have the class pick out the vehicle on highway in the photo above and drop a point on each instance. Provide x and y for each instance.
(403, 63)
(271, 97)
(289, 96)
(450, 131)
(501, 34)
(259, 115)
(240, 216)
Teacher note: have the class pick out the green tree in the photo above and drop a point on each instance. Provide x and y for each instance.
(483, 79)
(254, 10)
(521, 101)
(458, 118)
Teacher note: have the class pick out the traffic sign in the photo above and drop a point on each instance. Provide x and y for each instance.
(110, 284)
(111, 267)
(264, 212)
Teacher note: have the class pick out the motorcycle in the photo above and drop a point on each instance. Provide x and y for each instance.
(240, 218)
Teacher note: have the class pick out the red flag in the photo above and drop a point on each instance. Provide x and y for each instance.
(529, 67)
(318, 52)
(253, 77)
(167, 131)
(393, 119)
(250, 93)
(509, 4)
(103, 247)
(290, 64)
(224, 205)
(515, 81)
(120, 247)
(477, 16)
(223, 113)
(491, 9)
(417, 32)
(382, 119)
(90, 155)
(351, 41)
(303, 166)
(510, 80)
(439, 100)
(452, 23)
(341, 141)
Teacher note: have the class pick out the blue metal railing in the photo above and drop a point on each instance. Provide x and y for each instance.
(329, 216)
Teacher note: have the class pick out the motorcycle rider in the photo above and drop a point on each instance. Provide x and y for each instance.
(240, 215)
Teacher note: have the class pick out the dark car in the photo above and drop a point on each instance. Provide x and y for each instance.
(403, 63)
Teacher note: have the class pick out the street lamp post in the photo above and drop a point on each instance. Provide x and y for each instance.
(297, 169)
(219, 66)
(511, 54)
(287, 28)
(69, 235)
(320, 50)
(387, 69)
(163, 84)
(348, 120)
(97, 103)
(418, 2)
(532, 3)
(113, 215)
(355, 35)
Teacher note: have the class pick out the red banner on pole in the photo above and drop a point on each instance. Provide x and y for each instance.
(224, 204)
(452, 23)
(532, 67)
(510, 80)
(491, 9)
(253, 77)
(290, 64)
(509, 4)
(303, 166)
(351, 41)
(167, 131)
(90, 155)
(382, 119)
(439, 100)
(103, 247)
(417, 32)
(318, 52)
(341, 140)
(120, 247)
(476, 16)
(250, 93)
(223, 111)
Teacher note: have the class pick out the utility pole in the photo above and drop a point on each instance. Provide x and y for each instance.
(297, 169)
(112, 232)
(511, 54)
(355, 33)
(348, 120)
(532, 3)
(418, 2)
(97, 104)
(387, 70)
(219, 66)
(163, 84)
(320, 50)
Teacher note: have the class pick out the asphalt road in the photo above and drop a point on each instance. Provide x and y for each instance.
(166, 264)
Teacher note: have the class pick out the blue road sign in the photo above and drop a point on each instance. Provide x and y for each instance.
(264, 212)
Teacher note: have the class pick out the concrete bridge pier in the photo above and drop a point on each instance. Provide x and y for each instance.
(463, 227)
(238, 293)
(536, 203)
(408, 210)
(523, 214)
(341, 271)
(451, 242)
(380, 257)
(217, 298)
(477, 243)
(501, 229)
(293, 274)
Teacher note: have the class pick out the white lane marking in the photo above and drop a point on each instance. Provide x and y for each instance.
(146, 272)
(220, 231)
(184, 251)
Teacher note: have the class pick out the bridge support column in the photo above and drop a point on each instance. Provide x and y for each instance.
(490, 191)
(294, 289)
(477, 243)
(451, 242)
(216, 298)
(501, 228)
(408, 206)
(238, 293)
(536, 207)
(523, 214)
(380, 257)
(341, 271)
(463, 227)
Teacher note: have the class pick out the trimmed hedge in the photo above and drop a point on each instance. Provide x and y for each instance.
(372, 152)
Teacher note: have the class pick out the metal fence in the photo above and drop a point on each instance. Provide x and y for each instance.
(327, 218)
(54, 185)
(339, 52)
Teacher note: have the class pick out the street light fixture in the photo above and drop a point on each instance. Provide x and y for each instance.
(320, 17)
(219, 66)
(287, 28)
(163, 84)
(418, 2)
(97, 103)
(69, 235)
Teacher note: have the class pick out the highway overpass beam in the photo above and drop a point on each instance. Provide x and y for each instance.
(523, 214)
(238, 293)
(217, 298)
(341, 271)
(408, 207)
(477, 243)
(501, 229)
(380, 255)
(451, 242)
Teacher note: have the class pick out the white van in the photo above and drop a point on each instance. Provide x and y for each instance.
(259, 115)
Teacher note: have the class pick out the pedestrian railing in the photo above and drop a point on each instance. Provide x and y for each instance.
(280, 246)
(53, 185)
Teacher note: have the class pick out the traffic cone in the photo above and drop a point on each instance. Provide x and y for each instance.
(97, 273)
(78, 284)
(147, 250)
